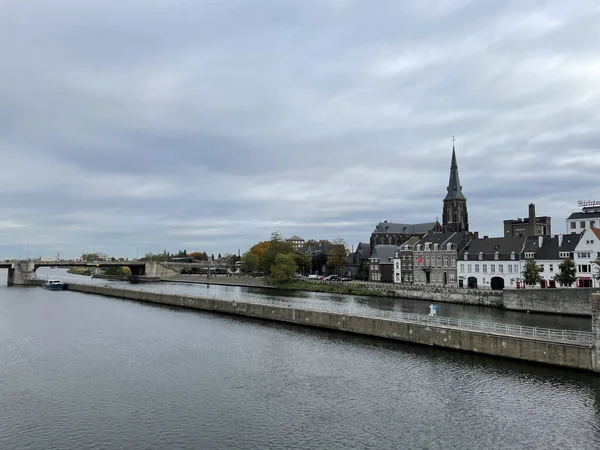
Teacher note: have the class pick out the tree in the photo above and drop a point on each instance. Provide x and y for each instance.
(337, 255)
(251, 261)
(363, 273)
(531, 272)
(284, 268)
(197, 256)
(567, 272)
(302, 261)
(212, 257)
(219, 257)
(276, 247)
(318, 261)
(311, 243)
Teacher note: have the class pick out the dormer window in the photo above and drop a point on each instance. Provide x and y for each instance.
(496, 256)
(466, 256)
(419, 247)
(512, 256)
(449, 246)
(529, 255)
(436, 246)
(427, 247)
(480, 256)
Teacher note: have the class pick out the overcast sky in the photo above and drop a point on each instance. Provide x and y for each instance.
(142, 125)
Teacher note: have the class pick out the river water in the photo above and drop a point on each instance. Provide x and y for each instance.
(83, 371)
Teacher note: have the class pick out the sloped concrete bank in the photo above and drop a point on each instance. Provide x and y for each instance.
(559, 354)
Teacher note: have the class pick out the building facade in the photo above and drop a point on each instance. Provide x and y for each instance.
(492, 263)
(549, 252)
(381, 263)
(586, 254)
(435, 257)
(296, 241)
(403, 262)
(529, 226)
(589, 217)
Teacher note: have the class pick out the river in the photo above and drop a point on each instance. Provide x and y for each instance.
(83, 371)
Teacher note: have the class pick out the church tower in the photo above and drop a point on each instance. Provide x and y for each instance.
(454, 215)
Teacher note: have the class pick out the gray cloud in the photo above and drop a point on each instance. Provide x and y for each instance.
(206, 125)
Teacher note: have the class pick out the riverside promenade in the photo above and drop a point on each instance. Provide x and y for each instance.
(566, 348)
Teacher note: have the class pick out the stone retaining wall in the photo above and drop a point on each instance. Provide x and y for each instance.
(566, 355)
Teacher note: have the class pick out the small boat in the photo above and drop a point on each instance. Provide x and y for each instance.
(54, 285)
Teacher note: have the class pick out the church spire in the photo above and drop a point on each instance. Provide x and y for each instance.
(454, 187)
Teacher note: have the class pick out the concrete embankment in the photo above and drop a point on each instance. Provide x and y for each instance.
(540, 351)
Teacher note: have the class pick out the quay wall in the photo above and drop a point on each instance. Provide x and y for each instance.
(559, 354)
(567, 301)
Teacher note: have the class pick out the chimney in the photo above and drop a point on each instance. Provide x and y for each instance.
(540, 241)
(560, 236)
(532, 217)
(476, 234)
(485, 237)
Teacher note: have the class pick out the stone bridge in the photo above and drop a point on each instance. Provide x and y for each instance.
(20, 272)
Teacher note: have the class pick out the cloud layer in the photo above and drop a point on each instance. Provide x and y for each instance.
(139, 126)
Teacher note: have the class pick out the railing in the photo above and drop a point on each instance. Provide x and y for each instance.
(575, 337)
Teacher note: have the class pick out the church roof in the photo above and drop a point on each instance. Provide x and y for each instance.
(404, 228)
(454, 187)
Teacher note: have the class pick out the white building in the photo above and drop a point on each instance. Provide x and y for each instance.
(296, 241)
(589, 217)
(549, 252)
(492, 263)
(586, 252)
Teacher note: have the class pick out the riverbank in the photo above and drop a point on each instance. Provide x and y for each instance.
(557, 301)
(539, 348)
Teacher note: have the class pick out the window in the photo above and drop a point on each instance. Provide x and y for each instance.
(466, 256)
(462, 268)
(492, 268)
(551, 267)
(496, 256)
(480, 256)
(573, 225)
(397, 265)
(469, 268)
(436, 246)
(582, 224)
(510, 268)
(484, 268)
(445, 261)
(453, 261)
(563, 254)
(512, 255)
(592, 224)
(427, 260)
(516, 268)
(500, 268)
(452, 278)
(439, 260)
(476, 267)
(584, 268)
(530, 255)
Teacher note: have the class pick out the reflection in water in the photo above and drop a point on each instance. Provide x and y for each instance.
(83, 371)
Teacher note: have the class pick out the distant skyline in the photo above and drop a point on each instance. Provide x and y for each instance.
(152, 125)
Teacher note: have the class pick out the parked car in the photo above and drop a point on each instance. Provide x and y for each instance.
(313, 276)
(332, 278)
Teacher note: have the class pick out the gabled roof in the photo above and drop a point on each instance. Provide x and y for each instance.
(384, 252)
(596, 232)
(363, 250)
(436, 238)
(405, 228)
(412, 241)
(550, 250)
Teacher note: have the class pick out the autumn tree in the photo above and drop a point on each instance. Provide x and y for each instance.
(198, 256)
(337, 255)
(284, 268)
(567, 273)
(531, 272)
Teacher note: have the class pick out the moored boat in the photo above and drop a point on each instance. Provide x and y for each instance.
(54, 285)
